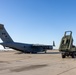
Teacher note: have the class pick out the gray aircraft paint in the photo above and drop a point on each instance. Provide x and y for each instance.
(23, 47)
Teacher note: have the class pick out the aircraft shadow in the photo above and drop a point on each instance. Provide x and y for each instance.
(39, 53)
(50, 53)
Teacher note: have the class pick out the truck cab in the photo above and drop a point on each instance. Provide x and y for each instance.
(66, 46)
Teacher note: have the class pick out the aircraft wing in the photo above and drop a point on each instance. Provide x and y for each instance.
(43, 46)
(50, 47)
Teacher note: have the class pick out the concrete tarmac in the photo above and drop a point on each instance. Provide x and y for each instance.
(51, 63)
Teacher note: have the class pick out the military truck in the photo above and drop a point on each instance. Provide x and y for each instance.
(66, 46)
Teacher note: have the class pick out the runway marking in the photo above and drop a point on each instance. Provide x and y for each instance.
(67, 71)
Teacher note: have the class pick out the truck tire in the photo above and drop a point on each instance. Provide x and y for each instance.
(73, 55)
(63, 56)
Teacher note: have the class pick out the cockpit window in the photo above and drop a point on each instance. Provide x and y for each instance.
(63, 42)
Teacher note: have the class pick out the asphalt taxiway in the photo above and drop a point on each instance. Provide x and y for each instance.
(51, 63)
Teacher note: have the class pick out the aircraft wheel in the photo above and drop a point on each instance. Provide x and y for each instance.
(34, 52)
(45, 51)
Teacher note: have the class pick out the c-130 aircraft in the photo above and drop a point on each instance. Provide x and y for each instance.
(25, 48)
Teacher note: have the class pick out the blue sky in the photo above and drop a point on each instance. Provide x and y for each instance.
(38, 21)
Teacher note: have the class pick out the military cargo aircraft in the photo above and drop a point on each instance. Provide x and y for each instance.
(23, 47)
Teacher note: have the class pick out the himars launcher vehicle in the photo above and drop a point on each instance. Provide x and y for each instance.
(23, 47)
(66, 46)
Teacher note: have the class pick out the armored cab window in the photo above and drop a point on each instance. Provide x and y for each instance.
(68, 41)
(63, 42)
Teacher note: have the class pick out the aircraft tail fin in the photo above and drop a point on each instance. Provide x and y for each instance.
(53, 43)
(4, 35)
